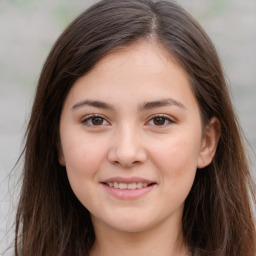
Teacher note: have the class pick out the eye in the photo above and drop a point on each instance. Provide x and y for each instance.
(160, 120)
(95, 120)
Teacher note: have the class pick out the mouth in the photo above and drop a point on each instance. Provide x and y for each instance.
(130, 186)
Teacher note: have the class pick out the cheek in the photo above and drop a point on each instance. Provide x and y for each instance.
(82, 157)
(83, 160)
(176, 163)
(176, 160)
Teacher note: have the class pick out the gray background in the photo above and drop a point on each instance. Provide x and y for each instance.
(27, 31)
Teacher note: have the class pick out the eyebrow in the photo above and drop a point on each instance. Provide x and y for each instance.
(143, 107)
(161, 103)
(92, 103)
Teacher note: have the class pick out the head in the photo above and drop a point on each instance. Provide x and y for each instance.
(107, 28)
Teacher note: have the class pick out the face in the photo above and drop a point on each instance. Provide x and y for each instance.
(131, 139)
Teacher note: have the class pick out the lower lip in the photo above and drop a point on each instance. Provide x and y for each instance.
(128, 193)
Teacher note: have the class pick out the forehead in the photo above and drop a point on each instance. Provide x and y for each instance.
(143, 71)
(143, 54)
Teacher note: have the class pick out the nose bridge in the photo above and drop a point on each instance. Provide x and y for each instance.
(127, 139)
(127, 148)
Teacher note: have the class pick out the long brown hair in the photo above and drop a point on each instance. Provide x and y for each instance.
(218, 215)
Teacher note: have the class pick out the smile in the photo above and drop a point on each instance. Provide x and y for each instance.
(128, 188)
(121, 185)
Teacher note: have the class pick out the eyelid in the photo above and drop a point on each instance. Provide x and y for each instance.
(86, 118)
(170, 120)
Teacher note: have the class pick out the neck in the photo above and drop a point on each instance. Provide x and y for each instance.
(163, 240)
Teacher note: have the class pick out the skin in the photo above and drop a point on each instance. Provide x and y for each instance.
(163, 143)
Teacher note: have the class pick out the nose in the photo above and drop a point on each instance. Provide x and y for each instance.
(127, 149)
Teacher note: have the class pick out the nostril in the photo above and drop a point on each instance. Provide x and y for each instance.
(126, 164)
(126, 156)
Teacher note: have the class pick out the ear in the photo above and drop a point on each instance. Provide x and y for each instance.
(209, 144)
(61, 158)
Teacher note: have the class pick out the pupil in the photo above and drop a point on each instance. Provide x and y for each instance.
(159, 120)
(97, 120)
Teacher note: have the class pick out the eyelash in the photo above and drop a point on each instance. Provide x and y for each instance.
(88, 121)
(163, 117)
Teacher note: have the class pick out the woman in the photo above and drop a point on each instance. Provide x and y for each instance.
(133, 147)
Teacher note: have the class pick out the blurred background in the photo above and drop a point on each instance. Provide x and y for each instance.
(28, 29)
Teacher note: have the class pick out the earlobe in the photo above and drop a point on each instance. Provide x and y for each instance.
(209, 143)
(61, 158)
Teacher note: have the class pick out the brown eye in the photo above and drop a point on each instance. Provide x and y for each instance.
(97, 120)
(159, 120)
(92, 121)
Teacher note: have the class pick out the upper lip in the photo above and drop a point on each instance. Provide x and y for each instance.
(128, 180)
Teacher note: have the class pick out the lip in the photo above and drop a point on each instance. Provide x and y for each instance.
(128, 194)
(128, 180)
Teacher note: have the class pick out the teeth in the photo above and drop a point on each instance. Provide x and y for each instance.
(140, 185)
(127, 185)
(122, 185)
(132, 186)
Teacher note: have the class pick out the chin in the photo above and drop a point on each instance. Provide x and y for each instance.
(131, 224)
(132, 227)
